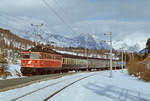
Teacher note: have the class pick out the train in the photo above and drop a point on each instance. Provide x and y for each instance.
(39, 62)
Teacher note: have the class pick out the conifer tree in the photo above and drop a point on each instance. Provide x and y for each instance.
(148, 45)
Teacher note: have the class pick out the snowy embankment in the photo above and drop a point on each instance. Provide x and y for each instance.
(121, 87)
(14, 70)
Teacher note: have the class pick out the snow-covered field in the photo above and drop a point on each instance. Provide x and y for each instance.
(121, 87)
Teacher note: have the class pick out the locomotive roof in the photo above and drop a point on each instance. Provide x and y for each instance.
(47, 49)
(42, 48)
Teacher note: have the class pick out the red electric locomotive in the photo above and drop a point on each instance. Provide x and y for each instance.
(40, 62)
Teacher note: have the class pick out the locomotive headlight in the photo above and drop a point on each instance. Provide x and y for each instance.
(29, 62)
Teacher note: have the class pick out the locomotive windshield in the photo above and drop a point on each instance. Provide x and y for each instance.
(26, 56)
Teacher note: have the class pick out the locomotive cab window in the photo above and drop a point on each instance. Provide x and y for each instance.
(26, 56)
(34, 56)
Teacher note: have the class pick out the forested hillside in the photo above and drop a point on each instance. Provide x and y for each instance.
(11, 45)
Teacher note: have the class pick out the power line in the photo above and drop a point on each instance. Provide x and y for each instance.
(61, 8)
(60, 5)
(63, 21)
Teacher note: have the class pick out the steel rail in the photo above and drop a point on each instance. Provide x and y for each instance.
(29, 93)
(58, 91)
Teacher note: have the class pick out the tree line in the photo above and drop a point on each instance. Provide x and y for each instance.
(11, 44)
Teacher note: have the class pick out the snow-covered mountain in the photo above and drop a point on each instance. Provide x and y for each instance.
(145, 50)
(81, 41)
(134, 48)
(130, 48)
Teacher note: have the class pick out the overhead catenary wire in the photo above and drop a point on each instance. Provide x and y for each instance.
(60, 5)
(56, 13)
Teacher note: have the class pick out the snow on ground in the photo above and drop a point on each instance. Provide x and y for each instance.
(40, 95)
(121, 87)
(13, 69)
(65, 52)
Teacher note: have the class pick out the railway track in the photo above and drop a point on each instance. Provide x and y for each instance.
(68, 82)
(58, 91)
(21, 82)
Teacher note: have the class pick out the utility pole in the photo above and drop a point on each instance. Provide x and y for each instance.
(121, 49)
(110, 53)
(86, 50)
(36, 33)
(130, 54)
(125, 57)
(133, 55)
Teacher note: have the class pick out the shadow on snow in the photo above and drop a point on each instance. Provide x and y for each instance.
(116, 93)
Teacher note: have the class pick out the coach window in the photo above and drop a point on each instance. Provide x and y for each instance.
(63, 60)
(67, 60)
(70, 61)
